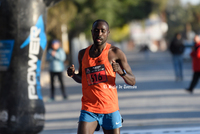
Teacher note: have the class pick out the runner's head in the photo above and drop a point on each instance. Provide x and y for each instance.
(100, 32)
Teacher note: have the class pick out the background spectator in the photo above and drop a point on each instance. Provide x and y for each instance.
(177, 49)
(56, 57)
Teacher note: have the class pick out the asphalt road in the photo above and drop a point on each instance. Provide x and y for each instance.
(157, 104)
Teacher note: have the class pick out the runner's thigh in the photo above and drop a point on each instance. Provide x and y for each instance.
(114, 131)
(87, 127)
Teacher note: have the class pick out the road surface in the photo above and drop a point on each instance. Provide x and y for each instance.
(156, 105)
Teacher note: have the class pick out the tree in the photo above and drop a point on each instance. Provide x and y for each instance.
(62, 13)
(79, 14)
(178, 16)
(196, 17)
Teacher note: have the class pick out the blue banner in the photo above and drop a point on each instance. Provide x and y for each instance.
(6, 49)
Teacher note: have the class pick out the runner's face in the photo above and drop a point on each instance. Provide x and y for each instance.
(100, 33)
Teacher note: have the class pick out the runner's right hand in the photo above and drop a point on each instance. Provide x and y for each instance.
(71, 70)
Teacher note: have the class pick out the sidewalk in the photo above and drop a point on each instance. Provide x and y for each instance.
(157, 102)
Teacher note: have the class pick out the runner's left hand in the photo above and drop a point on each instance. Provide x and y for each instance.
(116, 67)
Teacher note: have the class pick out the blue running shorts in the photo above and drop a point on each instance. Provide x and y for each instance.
(107, 121)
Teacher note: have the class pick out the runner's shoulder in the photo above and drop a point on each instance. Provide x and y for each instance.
(81, 52)
(115, 50)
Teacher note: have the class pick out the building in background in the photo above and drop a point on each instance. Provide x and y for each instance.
(149, 34)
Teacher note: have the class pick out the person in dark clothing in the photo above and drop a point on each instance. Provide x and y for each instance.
(177, 48)
(195, 54)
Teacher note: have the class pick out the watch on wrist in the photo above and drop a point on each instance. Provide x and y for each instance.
(123, 73)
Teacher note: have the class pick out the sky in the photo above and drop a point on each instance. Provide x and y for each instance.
(191, 1)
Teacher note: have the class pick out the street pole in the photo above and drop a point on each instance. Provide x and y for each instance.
(22, 42)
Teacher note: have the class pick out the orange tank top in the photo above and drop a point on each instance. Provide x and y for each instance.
(98, 83)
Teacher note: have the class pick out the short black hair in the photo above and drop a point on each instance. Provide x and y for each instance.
(100, 20)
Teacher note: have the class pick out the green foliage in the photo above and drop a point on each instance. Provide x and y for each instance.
(119, 33)
(195, 22)
(62, 13)
(79, 15)
(178, 16)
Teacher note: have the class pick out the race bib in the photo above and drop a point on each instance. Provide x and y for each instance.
(96, 74)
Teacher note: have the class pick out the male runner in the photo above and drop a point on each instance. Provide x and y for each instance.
(98, 65)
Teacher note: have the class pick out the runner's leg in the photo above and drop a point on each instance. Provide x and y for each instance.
(114, 131)
(87, 127)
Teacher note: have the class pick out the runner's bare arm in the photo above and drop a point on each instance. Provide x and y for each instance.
(119, 64)
(71, 70)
